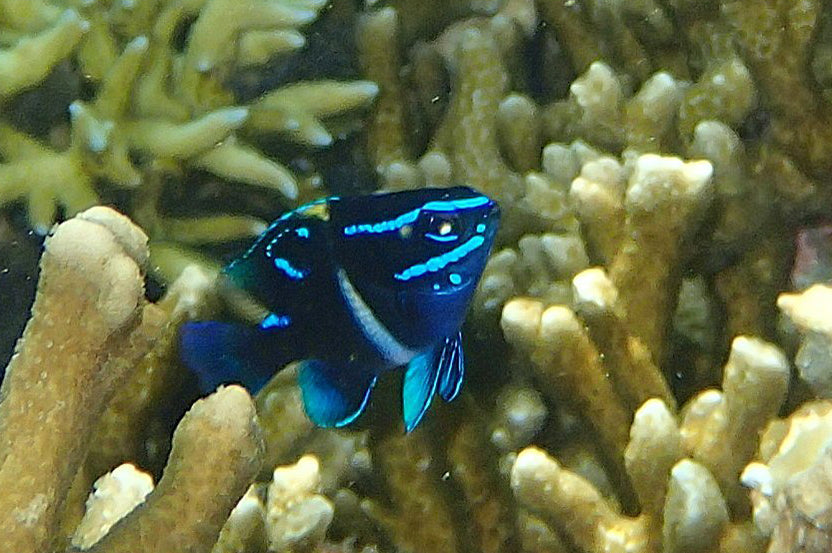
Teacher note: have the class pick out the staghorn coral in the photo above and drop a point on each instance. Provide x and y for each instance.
(287, 515)
(810, 310)
(91, 273)
(790, 483)
(216, 430)
(116, 494)
(157, 110)
(59, 382)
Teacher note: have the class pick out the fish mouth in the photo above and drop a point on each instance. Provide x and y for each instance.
(492, 218)
(494, 212)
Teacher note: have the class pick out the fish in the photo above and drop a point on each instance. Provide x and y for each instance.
(353, 287)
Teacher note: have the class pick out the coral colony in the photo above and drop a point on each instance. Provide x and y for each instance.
(648, 354)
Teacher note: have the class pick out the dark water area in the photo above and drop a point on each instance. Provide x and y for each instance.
(19, 254)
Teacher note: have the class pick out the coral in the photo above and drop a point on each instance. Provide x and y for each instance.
(810, 311)
(116, 493)
(129, 428)
(244, 530)
(90, 325)
(294, 512)
(791, 481)
(629, 219)
(662, 174)
(217, 445)
(160, 111)
(685, 473)
(422, 520)
(286, 515)
(31, 58)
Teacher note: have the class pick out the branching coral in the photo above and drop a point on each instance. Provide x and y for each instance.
(156, 107)
(90, 326)
(652, 160)
(684, 474)
(810, 312)
(791, 481)
(60, 379)
(218, 441)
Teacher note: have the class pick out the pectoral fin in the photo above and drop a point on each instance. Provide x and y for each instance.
(420, 381)
(440, 369)
(451, 368)
(333, 396)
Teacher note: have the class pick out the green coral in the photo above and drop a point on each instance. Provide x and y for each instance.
(157, 110)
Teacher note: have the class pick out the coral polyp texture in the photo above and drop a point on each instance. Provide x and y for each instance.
(648, 354)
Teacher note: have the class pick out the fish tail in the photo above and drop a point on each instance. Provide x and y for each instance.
(222, 353)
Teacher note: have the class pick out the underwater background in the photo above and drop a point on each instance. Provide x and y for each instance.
(649, 352)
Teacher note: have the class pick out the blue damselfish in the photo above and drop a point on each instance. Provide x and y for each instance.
(355, 286)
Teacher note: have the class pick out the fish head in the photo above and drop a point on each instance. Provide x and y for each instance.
(417, 256)
(448, 243)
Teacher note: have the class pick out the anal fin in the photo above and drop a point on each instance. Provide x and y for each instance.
(222, 353)
(333, 396)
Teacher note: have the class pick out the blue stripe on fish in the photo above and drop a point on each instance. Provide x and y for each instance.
(287, 268)
(439, 262)
(411, 216)
(441, 238)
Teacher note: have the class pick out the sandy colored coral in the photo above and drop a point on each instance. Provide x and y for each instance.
(116, 493)
(90, 325)
(791, 481)
(295, 513)
(628, 371)
(422, 519)
(810, 311)
(685, 473)
(216, 446)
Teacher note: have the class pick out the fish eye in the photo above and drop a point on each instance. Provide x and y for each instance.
(442, 228)
(405, 231)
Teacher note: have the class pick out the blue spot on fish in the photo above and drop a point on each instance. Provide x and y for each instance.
(276, 321)
(288, 269)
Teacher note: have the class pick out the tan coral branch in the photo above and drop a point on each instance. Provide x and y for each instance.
(217, 451)
(89, 326)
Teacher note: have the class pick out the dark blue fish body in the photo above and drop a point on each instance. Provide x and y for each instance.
(355, 286)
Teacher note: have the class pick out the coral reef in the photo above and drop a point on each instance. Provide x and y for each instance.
(648, 353)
